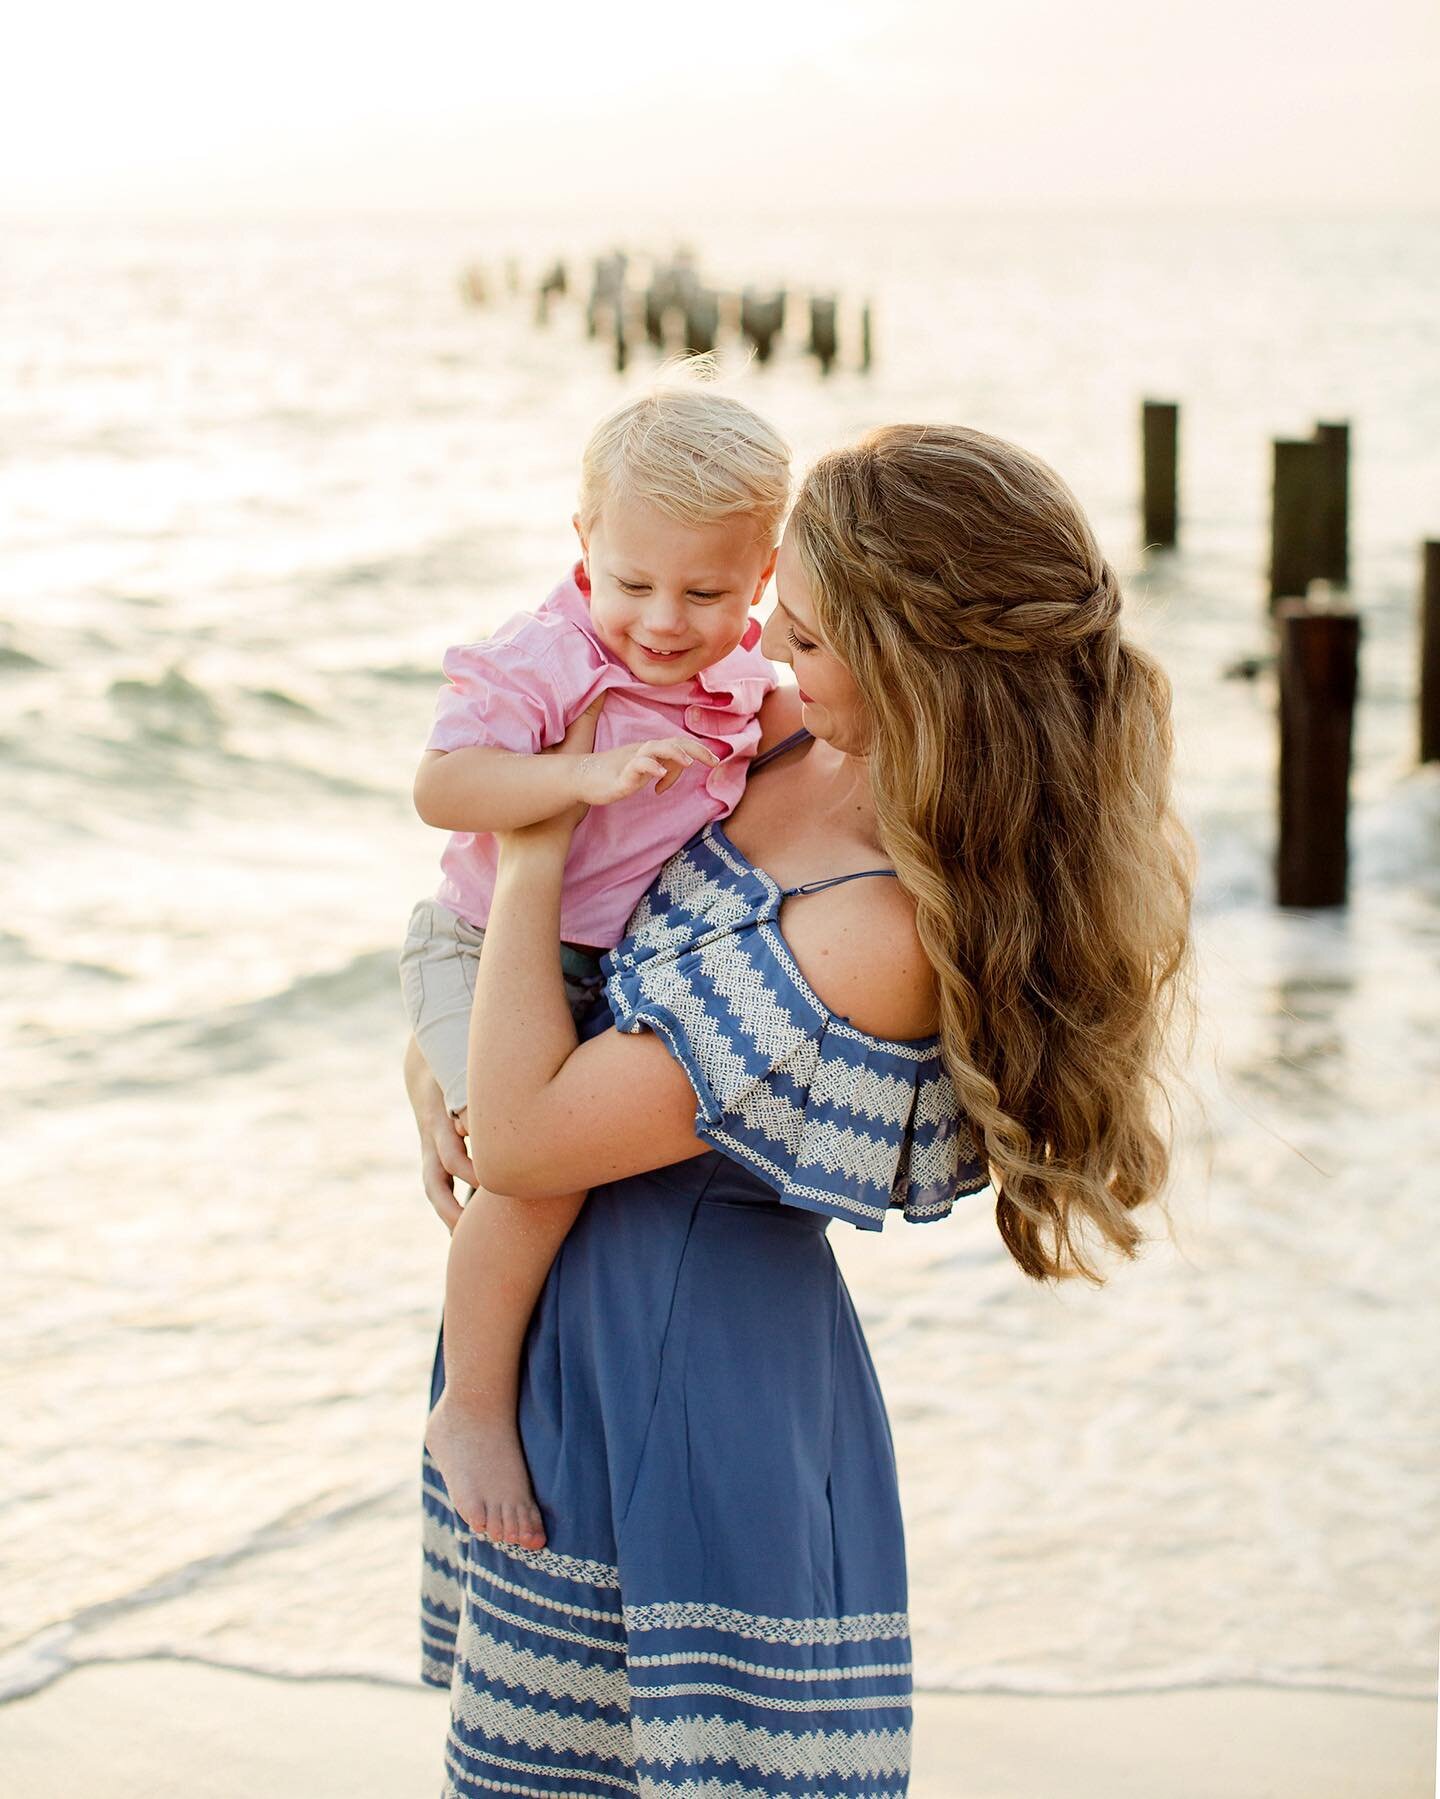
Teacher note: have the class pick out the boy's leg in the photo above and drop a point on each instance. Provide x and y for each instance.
(500, 1254)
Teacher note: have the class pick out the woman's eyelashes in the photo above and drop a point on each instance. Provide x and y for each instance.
(797, 643)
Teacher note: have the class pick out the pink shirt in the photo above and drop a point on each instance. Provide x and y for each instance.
(522, 688)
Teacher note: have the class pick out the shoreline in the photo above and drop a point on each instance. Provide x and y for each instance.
(162, 1726)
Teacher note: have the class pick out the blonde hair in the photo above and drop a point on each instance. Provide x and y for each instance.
(1020, 751)
(691, 451)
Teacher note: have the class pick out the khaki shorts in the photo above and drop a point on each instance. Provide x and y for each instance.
(437, 976)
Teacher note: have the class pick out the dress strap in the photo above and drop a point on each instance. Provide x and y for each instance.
(835, 881)
(779, 749)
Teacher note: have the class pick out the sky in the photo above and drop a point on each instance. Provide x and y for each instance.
(155, 106)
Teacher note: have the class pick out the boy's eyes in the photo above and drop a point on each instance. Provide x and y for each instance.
(635, 588)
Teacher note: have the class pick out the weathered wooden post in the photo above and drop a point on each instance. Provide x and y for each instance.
(1332, 503)
(1160, 452)
(622, 345)
(702, 321)
(1430, 652)
(1293, 515)
(655, 314)
(762, 317)
(866, 339)
(823, 342)
(1319, 662)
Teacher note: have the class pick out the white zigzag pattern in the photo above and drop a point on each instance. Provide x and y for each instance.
(602, 1615)
(935, 1163)
(529, 1728)
(441, 1586)
(883, 1096)
(839, 1150)
(700, 1614)
(460, 1752)
(723, 1069)
(935, 1102)
(782, 1178)
(567, 1567)
(695, 1657)
(688, 1659)
(538, 1627)
(651, 1788)
(561, 1677)
(814, 1754)
(731, 970)
(830, 1703)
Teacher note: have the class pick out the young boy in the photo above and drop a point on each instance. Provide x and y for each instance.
(682, 493)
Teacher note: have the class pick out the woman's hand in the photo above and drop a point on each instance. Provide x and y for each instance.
(443, 1160)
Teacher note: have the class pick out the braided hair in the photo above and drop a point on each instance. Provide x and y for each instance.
(1020, 754)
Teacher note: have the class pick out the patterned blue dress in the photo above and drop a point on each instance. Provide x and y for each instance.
(720, 1610)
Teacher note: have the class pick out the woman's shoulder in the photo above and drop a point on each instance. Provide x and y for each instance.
(858, 946)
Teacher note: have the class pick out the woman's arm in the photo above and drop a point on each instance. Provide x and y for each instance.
(547, 1113)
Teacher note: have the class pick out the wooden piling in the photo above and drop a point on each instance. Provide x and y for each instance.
(1332, 502)
(867, 346)
(823, 341)
(762, 318)
(1160, 454)
(702, 321)
(1294, 515)
(655, 301)
(1430, 652)
(1319, 663)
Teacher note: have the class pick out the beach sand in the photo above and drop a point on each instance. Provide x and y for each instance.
(163, 1729)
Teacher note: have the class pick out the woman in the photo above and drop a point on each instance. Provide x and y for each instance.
(721, 1607)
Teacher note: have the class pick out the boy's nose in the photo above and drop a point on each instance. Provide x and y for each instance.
(666, 618)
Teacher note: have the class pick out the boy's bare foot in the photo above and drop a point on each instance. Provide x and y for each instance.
(485, 1474)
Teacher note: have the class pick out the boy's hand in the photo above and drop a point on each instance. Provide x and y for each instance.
(609, 775)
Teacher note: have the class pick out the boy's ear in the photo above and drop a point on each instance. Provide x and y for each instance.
(765, 574)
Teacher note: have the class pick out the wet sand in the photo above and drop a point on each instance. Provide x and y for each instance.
(167, 1729)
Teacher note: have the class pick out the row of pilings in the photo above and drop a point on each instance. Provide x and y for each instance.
(667, 305)
(1316, 630)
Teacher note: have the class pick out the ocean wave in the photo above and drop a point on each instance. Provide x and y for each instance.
(18, 661)
(171, 707)
(315, 1008)
(29, 1665)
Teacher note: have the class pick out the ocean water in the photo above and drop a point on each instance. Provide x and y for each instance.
(254, 479)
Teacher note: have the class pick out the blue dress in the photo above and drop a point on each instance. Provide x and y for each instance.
(720, 1610)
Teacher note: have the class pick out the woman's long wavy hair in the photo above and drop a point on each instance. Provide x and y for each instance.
(1020, 753)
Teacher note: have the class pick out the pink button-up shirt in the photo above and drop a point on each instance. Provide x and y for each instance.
(522, 689)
